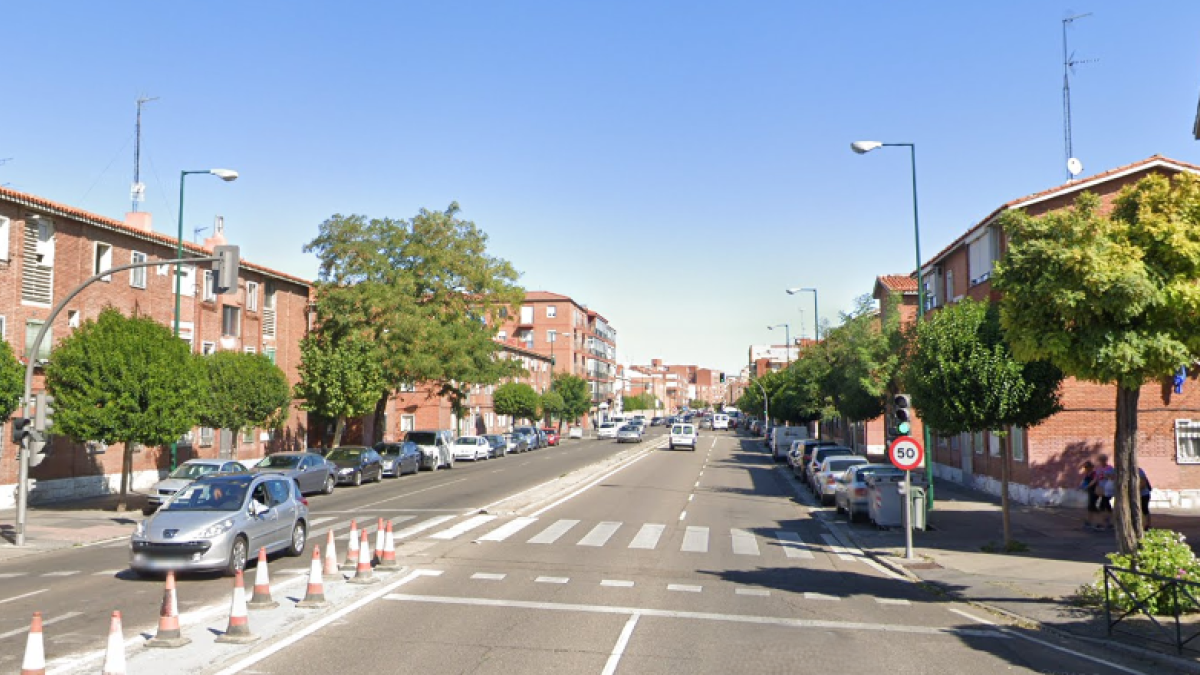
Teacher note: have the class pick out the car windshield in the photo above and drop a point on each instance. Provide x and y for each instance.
(193, 471)
(279, 462)
(209, 496)
(628, 427)
(607, 425)
(387, 449)
(421, 437)
(467, 440)
(344, 453)
(837, 465)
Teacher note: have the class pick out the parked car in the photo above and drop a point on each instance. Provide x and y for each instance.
(552, 437)
(215, 521)
(473, 448)
(656, 421)
(531, 435)
(781, 440)
(309, 470)
(606, 430)
(682, 435)
(825, 478)
(629, 432)
(800, 468)
(356, 464)
(542, 437)
(498, 447)
(399, 458)
(434, 445)
(186, 473)
(819, 455)
(850, 495)
(516, 442)
(575, 432)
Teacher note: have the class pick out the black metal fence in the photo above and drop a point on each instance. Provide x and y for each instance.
(1179, 595)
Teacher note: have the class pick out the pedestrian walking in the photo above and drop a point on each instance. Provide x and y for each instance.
(1107, 476)
(1090, 487)
(1144, 489)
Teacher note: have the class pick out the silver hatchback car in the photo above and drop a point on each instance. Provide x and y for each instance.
(216, 521)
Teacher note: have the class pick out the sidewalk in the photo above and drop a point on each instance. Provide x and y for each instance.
(72, 524)
(1037, 586)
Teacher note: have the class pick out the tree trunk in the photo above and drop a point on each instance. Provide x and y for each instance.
(380, 419)
(126, 474)
(1005, 513)
(338, 429)
(1127, 509)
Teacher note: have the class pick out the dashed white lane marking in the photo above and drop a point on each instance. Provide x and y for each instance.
(463, 527)
(758, 592)
(836, 547)
(488, 576)
(685, 588)
(422, 526)
(697, 484)
(691, 496)
(552, 580)
(682, 515)
(61, 573)
(791, 543)
(972, 617)
(317, 521)
(616, 583)
(10, 575)
(508, 529)
(614, 658)
(648, 536)
(695, 540)
(25, 595)
(45, 622)
(744, 543)
(107, 573)
(552, 533)
(892, 601)
(820, 596)
(600, 534)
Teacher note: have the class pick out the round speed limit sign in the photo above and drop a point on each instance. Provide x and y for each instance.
(906, 453)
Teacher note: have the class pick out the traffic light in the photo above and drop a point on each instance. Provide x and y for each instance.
(20, 429)
(722, 378)
(43, 416)
(37, 451)
(226, 268)
(902, 414)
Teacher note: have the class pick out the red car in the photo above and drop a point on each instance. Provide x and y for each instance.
(552, 436)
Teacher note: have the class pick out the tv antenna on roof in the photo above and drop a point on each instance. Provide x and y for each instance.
(1074, 166)
(137, 192)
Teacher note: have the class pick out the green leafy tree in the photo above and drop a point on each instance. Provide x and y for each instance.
(1109, 298)
(863, 357)
(120, 379)
(426, 295)
(552, 405)
(12, 381)
(964, 379)
(245, 391)
(576, 394)
(515, 399)
(339, 379)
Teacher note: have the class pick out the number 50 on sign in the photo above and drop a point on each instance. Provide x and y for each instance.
(906, 453)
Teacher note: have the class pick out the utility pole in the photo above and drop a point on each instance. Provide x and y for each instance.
(137, 193)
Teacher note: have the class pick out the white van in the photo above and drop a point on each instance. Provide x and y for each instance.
(720, 421)
(781, 440)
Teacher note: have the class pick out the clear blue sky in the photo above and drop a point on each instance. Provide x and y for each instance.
(674, 165)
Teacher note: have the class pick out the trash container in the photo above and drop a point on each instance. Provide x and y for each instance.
(918, 507)
(883, 500)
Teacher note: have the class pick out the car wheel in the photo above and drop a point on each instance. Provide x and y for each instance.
(357, 478)
(330, 483)
(670, 446)
(299, 539)
(237, 556)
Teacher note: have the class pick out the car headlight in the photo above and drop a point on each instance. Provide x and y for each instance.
(344, 472)
(216, 529)
(139, 531)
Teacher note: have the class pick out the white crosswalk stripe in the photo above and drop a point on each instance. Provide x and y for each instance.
(464, 527)
(552, 533)
(892, 601)
(837, 548)
(648, 536)
(695, 540)
(600, 534)
(61, 573)
(508, 529)
(744, 542)
(793, 546)
(422, 526)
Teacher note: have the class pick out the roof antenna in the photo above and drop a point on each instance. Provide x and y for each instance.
(137, 193)
(1074, 166)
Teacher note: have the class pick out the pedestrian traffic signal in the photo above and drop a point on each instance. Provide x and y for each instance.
(902, 413)
(43, 416)
(20, 429)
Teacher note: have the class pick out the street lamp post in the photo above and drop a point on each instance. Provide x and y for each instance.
(863, 147)
(226, 175)
(787, 335)
(816, 319)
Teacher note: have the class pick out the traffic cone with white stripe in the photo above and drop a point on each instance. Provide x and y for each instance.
(363, 573)
(315, 596)
(388, 559)
(238, 631)
(331, 566)
(379, 542)
(114, 656)
(352, 547)
(35, 651)
(262, 585)
(168, 634)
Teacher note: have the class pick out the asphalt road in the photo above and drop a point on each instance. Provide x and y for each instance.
(77, 589)
(697, 562)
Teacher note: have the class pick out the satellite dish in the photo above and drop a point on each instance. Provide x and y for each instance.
(1074, 166)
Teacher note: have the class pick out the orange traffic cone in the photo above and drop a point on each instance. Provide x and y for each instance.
(262, 585)
(35, 652)
(114, 657)
(363, 573)
(238, 631)
(388, 560)
(169, 634)
(331, 567)
(379, 542)
(352, 547)
(315, 597)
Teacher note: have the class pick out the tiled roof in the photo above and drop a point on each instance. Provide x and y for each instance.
(546, 295)
(55, 208)
(900, 283)
(1076, 185)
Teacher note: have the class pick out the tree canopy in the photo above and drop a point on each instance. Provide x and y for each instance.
(339, 378)
(244, 391)
(12, 381)
(863, 357)
(577, 395)
(515, 399)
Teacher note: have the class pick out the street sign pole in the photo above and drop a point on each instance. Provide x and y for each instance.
(908, 547)
(907, 454)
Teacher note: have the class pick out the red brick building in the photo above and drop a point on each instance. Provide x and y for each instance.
(47, 249)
